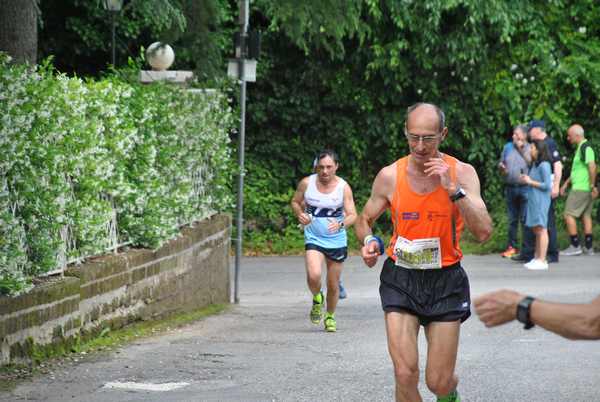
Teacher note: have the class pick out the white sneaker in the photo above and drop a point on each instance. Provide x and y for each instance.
(536, 265)
(571, 250)
(588, 251)
(527, 264)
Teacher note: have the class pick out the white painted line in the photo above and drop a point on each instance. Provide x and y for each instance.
(141, 386)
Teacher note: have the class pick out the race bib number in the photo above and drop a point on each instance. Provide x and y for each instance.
(418, 253)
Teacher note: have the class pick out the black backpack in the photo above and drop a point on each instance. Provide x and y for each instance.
(583, 149)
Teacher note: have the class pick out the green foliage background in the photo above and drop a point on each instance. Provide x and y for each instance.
(340, 74)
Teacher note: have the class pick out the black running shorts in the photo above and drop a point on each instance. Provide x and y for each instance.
(431, 294)
(334, 254)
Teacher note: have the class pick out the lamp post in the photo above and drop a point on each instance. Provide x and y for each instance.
(114, 6)
(243, 23)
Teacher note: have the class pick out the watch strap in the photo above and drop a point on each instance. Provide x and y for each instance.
(523, 312)
(458, 194)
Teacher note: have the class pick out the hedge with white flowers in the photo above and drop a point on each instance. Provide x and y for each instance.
(87, 165)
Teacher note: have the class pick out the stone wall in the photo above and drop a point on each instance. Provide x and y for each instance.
(185, 274)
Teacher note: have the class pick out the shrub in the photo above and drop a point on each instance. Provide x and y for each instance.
(88, 165)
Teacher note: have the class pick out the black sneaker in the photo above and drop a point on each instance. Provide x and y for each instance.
(520, 258)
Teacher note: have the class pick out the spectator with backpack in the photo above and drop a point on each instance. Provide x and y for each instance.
(582, 194)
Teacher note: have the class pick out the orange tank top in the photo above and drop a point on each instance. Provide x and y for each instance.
(422, 216)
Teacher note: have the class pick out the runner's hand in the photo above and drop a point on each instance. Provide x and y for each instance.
(497, 307)
(334, 226)
(438, 167)
(304, 219)
(370, 253)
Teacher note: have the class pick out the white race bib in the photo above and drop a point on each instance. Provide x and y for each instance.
(418, 253)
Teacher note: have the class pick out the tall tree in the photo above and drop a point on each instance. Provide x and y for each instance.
(18, 29)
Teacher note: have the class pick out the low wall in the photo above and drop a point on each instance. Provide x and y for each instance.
(187, 273)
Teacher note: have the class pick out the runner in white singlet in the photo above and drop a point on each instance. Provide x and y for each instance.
(324, 205)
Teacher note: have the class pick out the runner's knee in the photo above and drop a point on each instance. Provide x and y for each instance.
(406, 376)
(440, 383)
(313, 276)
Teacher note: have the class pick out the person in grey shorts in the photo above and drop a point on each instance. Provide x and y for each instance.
(583, 192)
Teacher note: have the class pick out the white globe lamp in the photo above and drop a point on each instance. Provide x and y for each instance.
(160, 56)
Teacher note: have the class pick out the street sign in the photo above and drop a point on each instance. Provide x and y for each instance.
(233, 69)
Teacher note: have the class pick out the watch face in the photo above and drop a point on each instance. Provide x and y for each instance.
(460, 193)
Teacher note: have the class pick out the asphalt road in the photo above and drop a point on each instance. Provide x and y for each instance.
(265, 348)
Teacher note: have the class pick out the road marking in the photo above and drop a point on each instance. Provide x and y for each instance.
(142, 386)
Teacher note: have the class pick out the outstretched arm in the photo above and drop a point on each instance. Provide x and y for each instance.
(572, 321)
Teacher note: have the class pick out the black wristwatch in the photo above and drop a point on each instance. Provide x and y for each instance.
(458, 194)
(523, 312)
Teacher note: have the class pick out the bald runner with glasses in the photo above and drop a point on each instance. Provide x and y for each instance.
(431, 197)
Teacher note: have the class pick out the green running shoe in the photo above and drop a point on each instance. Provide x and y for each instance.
(452, 397)
(330, 324)
(316, 312)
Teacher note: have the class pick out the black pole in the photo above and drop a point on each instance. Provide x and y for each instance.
(113, 37)
(244, 10)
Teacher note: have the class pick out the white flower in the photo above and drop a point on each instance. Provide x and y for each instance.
(532, 78)
(419, 91)
(524, 80)
(513, 67)
(582, 30)
(465, 79)
(452, 73)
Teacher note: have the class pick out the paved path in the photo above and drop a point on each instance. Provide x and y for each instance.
(265, 349)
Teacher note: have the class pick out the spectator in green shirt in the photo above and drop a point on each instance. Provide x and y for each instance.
(582, 194)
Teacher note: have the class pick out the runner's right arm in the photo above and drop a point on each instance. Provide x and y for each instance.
(378, 202)
(298, 202)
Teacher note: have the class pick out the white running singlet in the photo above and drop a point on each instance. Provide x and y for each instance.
(322, 208)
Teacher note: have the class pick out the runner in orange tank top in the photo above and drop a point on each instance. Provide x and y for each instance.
(431, 197)
(421, 216)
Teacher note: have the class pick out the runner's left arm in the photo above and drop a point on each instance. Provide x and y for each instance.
(349, 207)
(472, 207)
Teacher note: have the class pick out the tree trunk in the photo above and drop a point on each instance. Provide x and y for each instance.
(18, 29)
